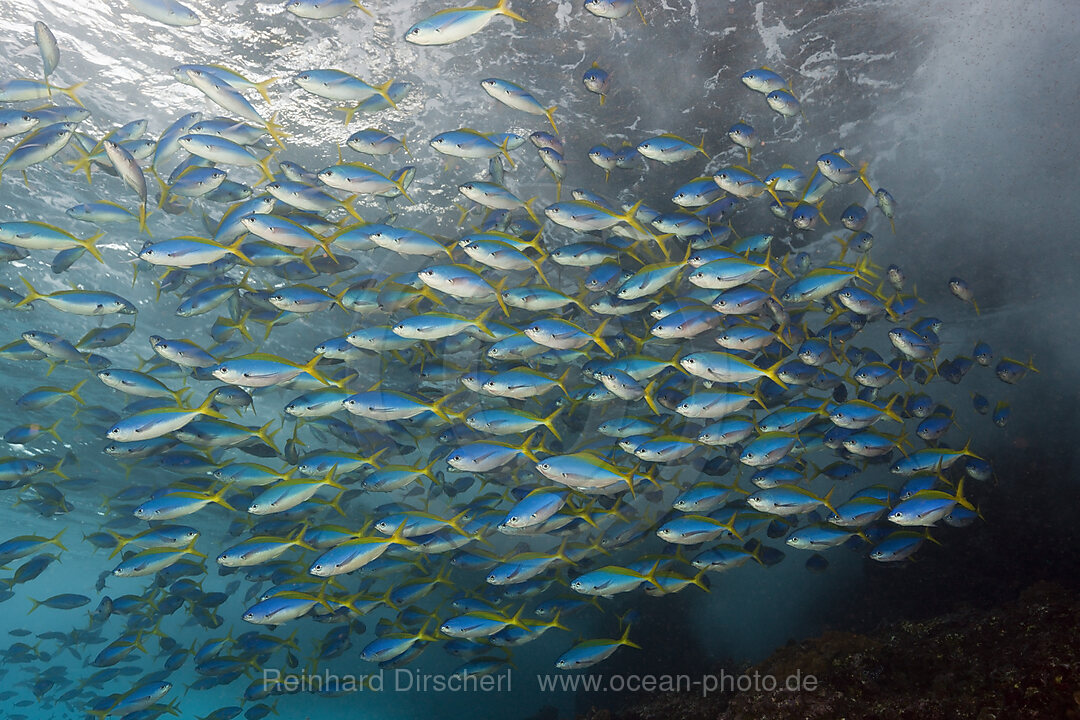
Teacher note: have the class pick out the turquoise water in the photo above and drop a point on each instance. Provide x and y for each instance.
(963, 113)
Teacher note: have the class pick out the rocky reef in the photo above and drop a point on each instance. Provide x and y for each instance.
(1019, 659)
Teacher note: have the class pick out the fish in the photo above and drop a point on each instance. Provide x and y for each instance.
(218, 149)
(16, 122)
(838, 169)
(157, 422)
(152, 561)
(24, 545)
(323, 9)
(787, 500)
(38, 146)
(887, 204)
(234, 79)
(613, 9)
(101, 213)
(187, 252)
(142, 697)
(341, 86)
(22, 89)
(516, 97)
(470, 144)
(495, 196)
(134, 382)
(64, 601)
(358, 178)
(168, 12)
(597, 80)
(1002, 413)
(473, 434)
(960, 288)
(46, 396)
(591, 652)
(670, 148)
(35, 235)
(1013, 371)
(264, 370)
(372, 141)
(744, 135)
(763, 80)
(80, 302)
(899, 546)
(53, 346)
(48, 47)
(742, 183)
(784, 103)
(132, 175)
(454, 24)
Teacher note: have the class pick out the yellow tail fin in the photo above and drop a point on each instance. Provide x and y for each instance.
(771, 373)
(142, 220)
(31, 294)
(55, 540)
(503, 8)
(598, 338)
(261, 87)
(70, 92)
(384, 91)
(52, 430)
(234, 249)
(276, 133)
(549, 422)
(550, 112)
(74, 392)
(207, 408)
(91, 247)
(310, 369)
(364, 9)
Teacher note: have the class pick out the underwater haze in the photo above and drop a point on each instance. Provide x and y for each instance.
(425, 357)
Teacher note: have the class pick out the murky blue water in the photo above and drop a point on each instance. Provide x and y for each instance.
(964, 111)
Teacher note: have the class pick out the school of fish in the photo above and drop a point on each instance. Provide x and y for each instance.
(560, 400)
